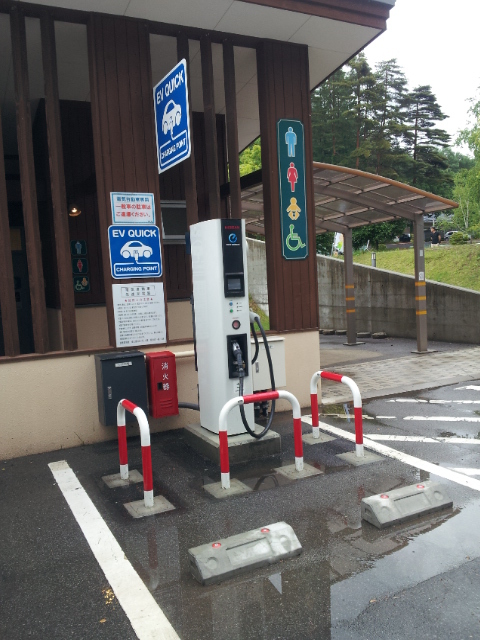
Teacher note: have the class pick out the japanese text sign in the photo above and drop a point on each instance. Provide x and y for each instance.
(139, 314)
(132, 208)
(291, 178)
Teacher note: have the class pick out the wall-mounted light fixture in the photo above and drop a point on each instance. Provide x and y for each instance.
(74, 211)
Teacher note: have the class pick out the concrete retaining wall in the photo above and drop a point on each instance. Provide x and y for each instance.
(385, 301)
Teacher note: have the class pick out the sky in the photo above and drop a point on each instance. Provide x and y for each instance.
(436, 42)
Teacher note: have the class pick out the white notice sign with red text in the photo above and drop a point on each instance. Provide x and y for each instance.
(132, 208)
(139, 314)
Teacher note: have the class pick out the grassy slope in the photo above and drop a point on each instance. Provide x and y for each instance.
(457, 265)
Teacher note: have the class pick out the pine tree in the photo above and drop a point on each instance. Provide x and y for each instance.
(425, 141)
(389, 157)
(361, 82)
(332, 132)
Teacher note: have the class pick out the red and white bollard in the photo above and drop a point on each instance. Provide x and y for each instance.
(258, 397)
(357, 406)
(144, 441)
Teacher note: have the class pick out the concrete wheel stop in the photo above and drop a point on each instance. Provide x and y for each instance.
(225, 558)
(408, 503)
(351, 458)
(114, 480)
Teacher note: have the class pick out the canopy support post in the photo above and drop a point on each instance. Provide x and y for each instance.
(349, 288)
(420, 285)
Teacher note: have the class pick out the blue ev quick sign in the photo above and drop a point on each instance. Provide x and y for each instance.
(172, 119)
(135, 251)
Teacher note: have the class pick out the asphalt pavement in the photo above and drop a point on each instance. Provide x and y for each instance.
(352, 581)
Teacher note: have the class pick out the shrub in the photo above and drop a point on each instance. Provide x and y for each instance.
(459, 238)
(382, 247)
(475, 231)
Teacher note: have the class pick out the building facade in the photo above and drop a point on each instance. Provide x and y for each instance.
(78, 125)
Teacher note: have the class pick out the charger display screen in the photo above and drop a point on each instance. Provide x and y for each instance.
(234, 284)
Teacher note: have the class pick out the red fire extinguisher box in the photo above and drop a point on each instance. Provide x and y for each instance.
(162, 384)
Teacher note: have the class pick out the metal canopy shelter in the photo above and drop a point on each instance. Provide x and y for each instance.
(348, 198)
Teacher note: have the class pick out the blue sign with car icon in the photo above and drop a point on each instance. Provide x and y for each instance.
(135, 251)
(172, 117)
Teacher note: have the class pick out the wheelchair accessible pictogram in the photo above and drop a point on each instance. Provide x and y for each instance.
(293, 236)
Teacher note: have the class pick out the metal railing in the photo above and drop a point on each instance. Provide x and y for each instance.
(249, 399)
(357, 406)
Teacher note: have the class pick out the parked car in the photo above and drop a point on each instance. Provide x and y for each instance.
(405, 237)
(449, 234)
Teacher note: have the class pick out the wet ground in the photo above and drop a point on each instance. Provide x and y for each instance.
(352, 581)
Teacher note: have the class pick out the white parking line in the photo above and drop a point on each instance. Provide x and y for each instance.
(467, 472)
(442, 419)
(374, 436)
(451, 440)
(472, 387)
(350, 416)
(147, 619)
(418, 401)
(411, 400)
(418, 463)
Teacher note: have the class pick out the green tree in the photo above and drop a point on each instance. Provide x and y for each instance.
(324, 243)
(251, 158)
(389, 116)
(361, 81)
(332, 131)
(467, 181)
(467, 193)
(377, 233)
(426, 142)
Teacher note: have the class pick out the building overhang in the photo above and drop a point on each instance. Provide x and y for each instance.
(333, 30)
(347, 198)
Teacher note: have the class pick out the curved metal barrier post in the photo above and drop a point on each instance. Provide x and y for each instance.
(144, 441)
(357, 406)
(258, 397)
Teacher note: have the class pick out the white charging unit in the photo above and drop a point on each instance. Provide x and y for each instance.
(220, 293)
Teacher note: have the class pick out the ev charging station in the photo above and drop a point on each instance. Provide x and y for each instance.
(222, 318)
(223, 322)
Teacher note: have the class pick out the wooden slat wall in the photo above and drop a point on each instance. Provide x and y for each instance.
(8, 304)
(178, 272)
(189, 164)
(27, 176)
(283, 93)
(232, 131)
(57, 181)
(79, 157)
(173, 186)
(123, 121)
(210, 128)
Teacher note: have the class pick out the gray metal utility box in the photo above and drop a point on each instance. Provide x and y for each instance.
(120, 376)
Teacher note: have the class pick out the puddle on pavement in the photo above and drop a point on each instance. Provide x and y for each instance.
(343, 560)
(459, 434)
(306, 597)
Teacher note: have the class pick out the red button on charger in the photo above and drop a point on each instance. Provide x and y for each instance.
(236, 324)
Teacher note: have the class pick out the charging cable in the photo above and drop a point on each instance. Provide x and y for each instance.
(237, 354)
